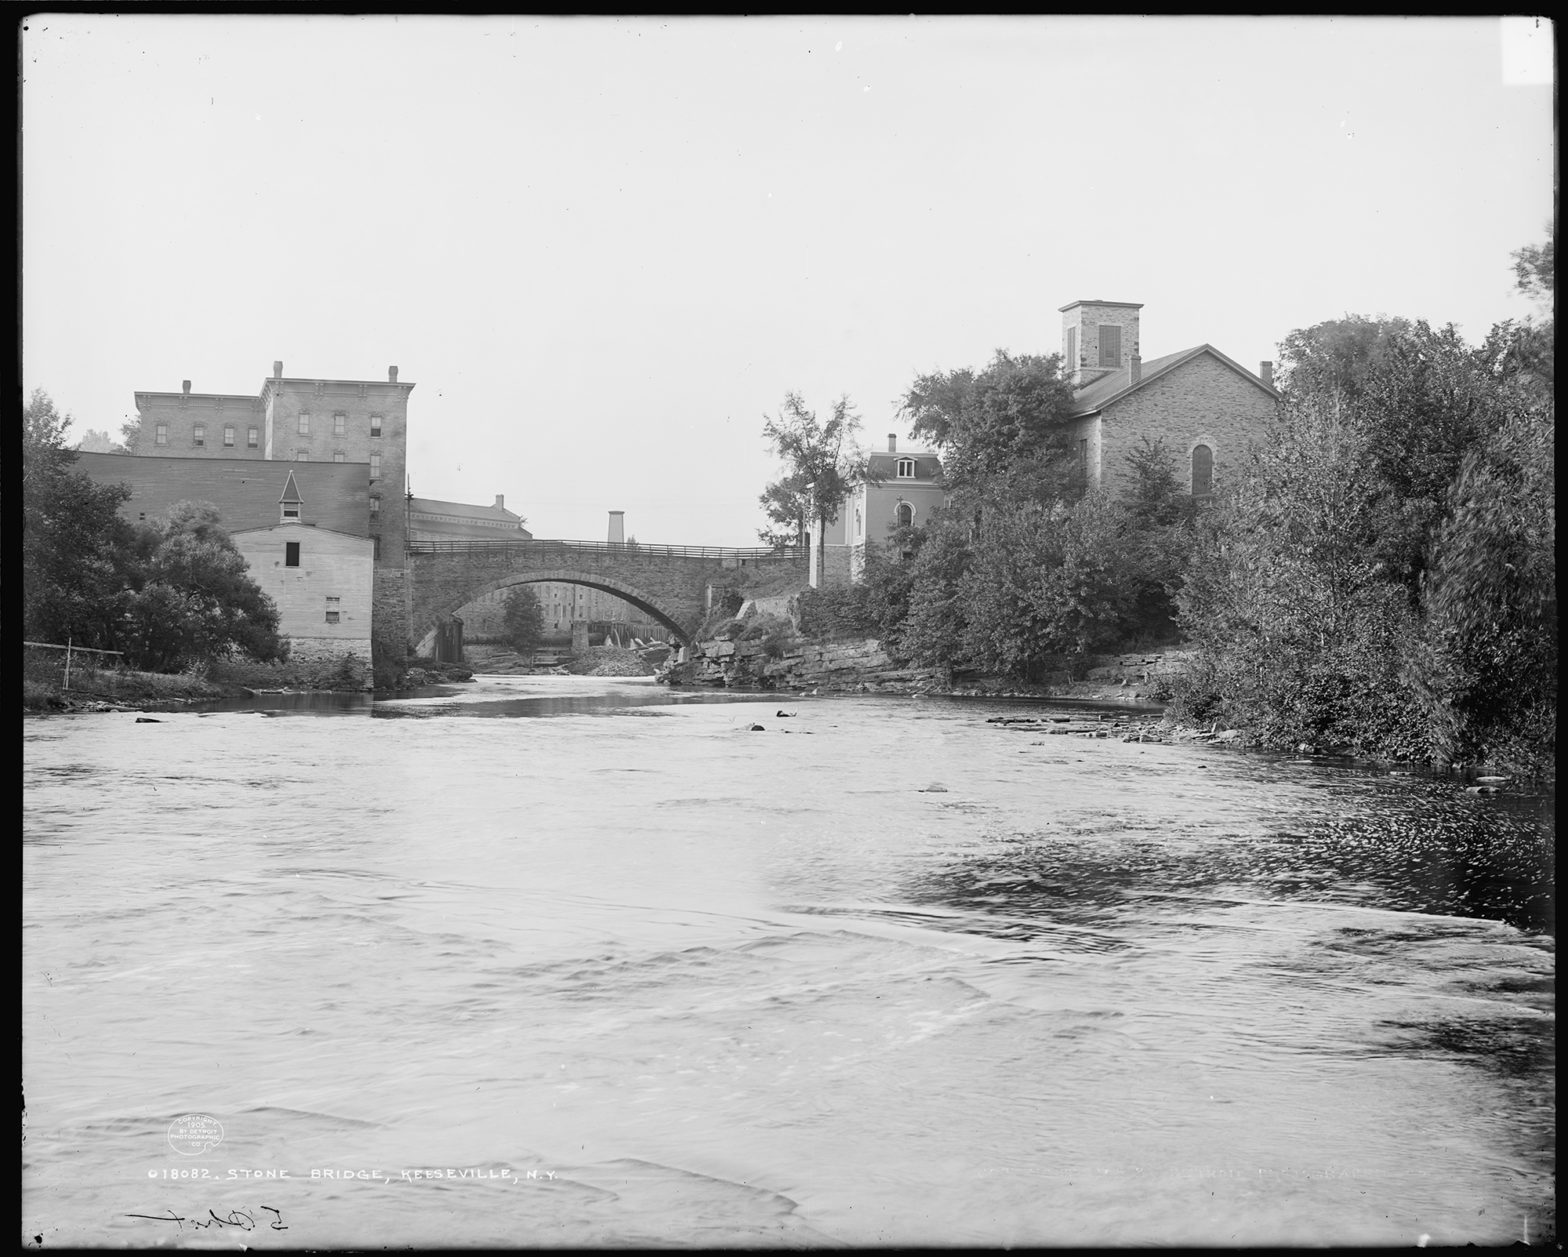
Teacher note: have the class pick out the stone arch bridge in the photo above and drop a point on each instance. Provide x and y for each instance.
(671, 584)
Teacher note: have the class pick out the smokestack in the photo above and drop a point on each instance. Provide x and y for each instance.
(500, 501)
(185, 387)
(892, 442)
(1135, 368)
(391, 375)
(617, 527)
(1266, 373)
(277, 370)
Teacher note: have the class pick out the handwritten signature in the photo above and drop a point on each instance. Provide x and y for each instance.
(242, 1218)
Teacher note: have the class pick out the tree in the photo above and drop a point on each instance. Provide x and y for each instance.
(823, 463)
(194, 598)
(522, 620)
(1336, 356)
(1003, 433)
(95, 442)
(74, 544)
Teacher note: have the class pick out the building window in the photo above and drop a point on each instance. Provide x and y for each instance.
(375, 506)
(375, 425)
(857, 524)
(376, 549)
(1202, 471)
(1072, 350)
(1083, 455)
(199, 434)
(290, 510)
(161, 434)
(301, 456)
(375, 466)
(906, 469)
(291, 554)
(304, 423)
(228, 435)
(253, 437)
(333, 609)
(337, 456)
(1110, 345)
(338, 420)
(905, 515)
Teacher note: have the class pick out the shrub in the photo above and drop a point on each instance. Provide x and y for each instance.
(843, 611)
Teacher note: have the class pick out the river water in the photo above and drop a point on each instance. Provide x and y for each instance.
(560, 961)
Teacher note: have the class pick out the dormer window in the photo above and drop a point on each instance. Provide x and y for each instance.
(906, 469)
(289, 504)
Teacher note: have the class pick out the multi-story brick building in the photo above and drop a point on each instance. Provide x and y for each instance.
(430, 519)
(297, 421)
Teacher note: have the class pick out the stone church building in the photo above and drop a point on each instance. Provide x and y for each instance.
(1205, 407)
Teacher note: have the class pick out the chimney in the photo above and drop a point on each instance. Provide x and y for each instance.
(1266, 373)
(892, 442)
(391, 375)
(500, 498)
(277, 370)
(1135, 369)
(617, 527)
(185, 387)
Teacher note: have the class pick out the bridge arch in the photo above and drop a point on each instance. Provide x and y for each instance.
(638, 598)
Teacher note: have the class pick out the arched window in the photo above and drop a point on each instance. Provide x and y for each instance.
(1202, 471)
(905, 516)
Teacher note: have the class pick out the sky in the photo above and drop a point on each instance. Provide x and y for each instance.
(604, 249)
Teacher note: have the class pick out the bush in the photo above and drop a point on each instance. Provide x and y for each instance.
(775, 633)
(837, 612)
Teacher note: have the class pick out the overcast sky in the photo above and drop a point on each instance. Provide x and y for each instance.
(604, 249)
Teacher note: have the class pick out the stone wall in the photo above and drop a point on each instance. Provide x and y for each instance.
(1200, 401)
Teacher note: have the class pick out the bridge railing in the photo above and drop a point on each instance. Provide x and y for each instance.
(537, 546)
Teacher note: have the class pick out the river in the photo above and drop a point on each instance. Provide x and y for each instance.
(572, 962)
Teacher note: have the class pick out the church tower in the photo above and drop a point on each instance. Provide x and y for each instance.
(1098, 337)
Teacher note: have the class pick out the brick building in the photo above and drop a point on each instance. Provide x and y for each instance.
(300, 421)
(430, 519)
(303, 529)
(906, 487)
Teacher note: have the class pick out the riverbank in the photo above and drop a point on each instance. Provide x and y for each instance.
(44, 691)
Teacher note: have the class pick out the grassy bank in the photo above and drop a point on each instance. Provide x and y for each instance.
(120, 690)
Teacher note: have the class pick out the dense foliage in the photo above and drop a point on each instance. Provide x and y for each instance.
(1383, 576)
(168, 594)
(1027, 563)
(1378, 575)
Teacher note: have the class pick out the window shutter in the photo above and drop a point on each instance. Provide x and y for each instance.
(1110, 345)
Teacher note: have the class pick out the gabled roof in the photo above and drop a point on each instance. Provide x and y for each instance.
(290, 489)
(1113, 387)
